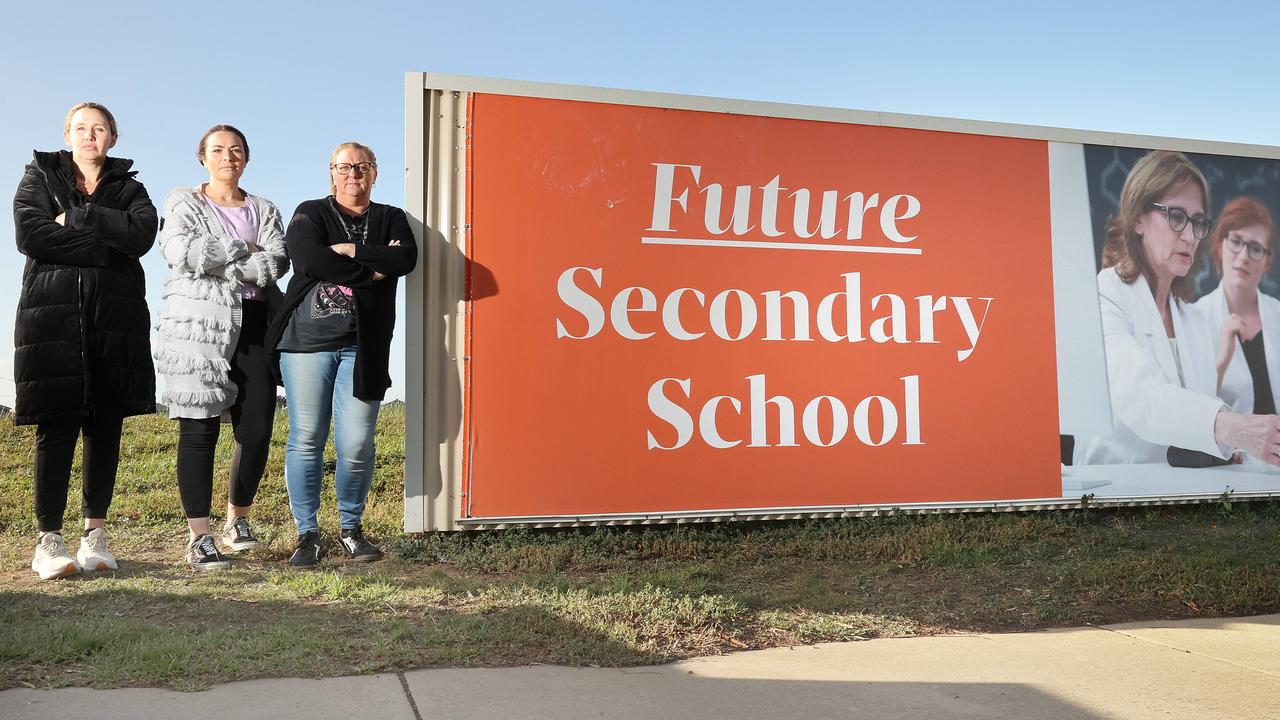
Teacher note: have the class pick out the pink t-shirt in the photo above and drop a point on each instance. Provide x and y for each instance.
(240, 223)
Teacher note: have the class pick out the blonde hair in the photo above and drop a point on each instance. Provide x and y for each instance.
(111, 119)
(1152, 177)
(350, 145)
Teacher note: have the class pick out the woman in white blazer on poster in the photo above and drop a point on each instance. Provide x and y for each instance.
(1244, 321)
(1160, 367)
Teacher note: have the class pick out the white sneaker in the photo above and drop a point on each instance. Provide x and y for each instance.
(52, 559)
(93, 554)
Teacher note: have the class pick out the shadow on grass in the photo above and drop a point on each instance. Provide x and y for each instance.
(978, 573)
(112, 635)
(627, 597)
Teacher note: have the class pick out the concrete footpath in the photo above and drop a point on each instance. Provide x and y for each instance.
(1200, 669)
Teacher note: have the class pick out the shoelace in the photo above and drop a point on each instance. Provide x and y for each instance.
(53, 544)
(241, 526)
(206, 545)
(96, 542)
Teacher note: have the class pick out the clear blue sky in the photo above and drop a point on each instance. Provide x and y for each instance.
(300, 77)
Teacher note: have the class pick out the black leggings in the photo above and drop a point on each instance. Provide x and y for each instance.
(252, 416)
(55, 449)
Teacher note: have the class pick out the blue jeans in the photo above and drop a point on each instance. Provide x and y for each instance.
(319, 386)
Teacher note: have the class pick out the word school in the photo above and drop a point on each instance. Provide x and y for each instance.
(630, 310)
(872, 411)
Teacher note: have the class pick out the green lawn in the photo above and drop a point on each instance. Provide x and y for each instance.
(615, 596)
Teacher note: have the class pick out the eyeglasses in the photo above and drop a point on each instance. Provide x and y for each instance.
(363, 168)
(1256, 250)
(1178, 219)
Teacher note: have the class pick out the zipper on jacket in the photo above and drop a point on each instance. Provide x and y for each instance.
(81, 309)
(84, 352)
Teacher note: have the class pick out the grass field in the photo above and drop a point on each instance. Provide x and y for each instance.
(589, 597)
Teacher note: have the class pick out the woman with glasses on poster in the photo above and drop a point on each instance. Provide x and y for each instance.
(1160, 366)
(1247, 321)
(82, 360)
(226, 250)
(332, 343)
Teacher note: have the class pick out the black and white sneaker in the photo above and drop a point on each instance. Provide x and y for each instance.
(307, 553)
(358, 547)
(202, 554)
(238, 536)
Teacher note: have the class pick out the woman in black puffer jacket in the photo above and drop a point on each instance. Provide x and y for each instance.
(82, 336)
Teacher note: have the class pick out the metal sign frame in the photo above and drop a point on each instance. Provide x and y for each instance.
(436, 367)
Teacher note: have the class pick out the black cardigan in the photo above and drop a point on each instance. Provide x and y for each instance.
(82, 336)
(312, 230)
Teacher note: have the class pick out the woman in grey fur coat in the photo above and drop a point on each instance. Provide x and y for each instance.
(226, 248)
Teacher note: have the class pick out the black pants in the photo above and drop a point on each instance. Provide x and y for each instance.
(55, 449)
(252, 416)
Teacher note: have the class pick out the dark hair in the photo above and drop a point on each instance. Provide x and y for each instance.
(1241, 213)
(221, 128)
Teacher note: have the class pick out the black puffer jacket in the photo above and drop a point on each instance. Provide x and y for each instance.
(82, 337)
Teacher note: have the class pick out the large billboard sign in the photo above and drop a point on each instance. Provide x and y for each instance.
(652, 308)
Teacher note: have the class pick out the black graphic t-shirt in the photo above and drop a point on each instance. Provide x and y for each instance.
(326, 318)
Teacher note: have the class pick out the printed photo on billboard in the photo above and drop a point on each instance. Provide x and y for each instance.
(1185, 246)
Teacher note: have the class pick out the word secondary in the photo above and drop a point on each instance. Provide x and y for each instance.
(686, 314)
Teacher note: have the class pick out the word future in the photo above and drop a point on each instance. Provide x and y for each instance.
(744, 218)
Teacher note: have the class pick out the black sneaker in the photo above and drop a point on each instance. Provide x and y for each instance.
(238, 536)
(358, 546)
(307, 554)
(202, 554)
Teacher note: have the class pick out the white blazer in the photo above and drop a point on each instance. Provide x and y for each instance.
(1150, 407)
(1237, 383)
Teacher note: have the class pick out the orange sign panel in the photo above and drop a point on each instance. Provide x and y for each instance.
(698, 311)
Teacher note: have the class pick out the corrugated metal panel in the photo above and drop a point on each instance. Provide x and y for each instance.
(435, 198)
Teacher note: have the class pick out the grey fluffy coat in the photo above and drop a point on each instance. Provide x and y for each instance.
(200, 326)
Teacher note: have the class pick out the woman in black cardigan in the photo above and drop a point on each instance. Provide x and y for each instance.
(332, 340)
(82, 360)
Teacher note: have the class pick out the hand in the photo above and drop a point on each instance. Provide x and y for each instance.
(1233, 327)
(61, 219)
(253, 248)
(348, 249)
(1258, 435)
(377, 275)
